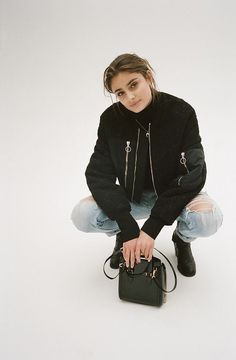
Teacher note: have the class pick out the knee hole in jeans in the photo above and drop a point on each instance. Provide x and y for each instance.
(200, 203)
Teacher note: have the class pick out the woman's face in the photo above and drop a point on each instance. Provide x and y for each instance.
(132, 90)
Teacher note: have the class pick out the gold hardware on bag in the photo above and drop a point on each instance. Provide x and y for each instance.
(153, 275)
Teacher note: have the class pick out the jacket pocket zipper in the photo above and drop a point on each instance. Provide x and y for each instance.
(127, 150)
(183, 162)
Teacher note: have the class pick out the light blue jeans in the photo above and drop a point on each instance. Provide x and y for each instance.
(200, 218)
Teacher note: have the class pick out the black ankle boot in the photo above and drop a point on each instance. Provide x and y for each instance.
(186, 264)
(115, 259)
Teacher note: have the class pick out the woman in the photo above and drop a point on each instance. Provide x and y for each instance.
(148, 163)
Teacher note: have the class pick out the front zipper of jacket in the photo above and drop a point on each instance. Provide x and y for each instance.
(150, 157)
(135, 164)
(183, 161)
(127, 150)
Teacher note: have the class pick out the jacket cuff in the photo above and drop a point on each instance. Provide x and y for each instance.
(128, 226)
(152, 226)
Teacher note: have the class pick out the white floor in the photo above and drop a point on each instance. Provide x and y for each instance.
(55, 301)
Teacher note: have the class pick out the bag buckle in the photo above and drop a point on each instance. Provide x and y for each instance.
(153, 275)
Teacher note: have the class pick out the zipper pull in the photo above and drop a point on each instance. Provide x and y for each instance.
(128, 147)
(148, 133)
(183, 159)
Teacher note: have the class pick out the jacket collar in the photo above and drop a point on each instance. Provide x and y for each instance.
(145, 116)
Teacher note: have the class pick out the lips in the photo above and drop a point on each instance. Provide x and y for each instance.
(136, 103)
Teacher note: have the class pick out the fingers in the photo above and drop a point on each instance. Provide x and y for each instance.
(145, 245)
(138, 252)
(132, 249)
(129, 252)
(125, 255)
(132, 258)
(149, 257)
(149, 253)
(146, 252)
(129, 256)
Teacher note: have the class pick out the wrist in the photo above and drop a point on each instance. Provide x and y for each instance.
(152, 227)
(128, 226)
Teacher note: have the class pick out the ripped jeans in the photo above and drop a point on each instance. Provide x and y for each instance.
(201, 217)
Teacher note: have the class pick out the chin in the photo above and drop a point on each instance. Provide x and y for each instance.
(136, 111)
(138, 108)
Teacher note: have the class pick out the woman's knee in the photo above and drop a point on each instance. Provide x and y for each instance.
(204, 214)
(81, 214)
(206, 223)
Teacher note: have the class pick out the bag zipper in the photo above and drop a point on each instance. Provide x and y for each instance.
(127, 149)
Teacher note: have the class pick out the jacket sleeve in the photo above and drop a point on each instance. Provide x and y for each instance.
(190, 179)
(110, 197)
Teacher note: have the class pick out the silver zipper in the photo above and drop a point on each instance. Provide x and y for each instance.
(179, 180)
(127, 149)
(150, 157)
(183, 161)
(135, 165)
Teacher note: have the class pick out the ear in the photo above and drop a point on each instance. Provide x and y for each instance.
(149, 76)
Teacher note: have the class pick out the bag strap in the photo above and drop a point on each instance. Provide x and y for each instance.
(115, 253)
(156, 282)
(173, 270)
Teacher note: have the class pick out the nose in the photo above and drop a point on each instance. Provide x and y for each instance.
(130, 95)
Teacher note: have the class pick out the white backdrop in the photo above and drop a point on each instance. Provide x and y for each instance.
(55, 301)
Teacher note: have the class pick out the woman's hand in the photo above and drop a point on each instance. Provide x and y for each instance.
(144, 245)
(129, 252)
(132, 249)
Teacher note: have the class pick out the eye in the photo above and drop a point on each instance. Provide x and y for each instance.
(134, 84)
(119, 94)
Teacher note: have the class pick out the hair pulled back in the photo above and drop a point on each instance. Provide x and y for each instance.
(130, 63)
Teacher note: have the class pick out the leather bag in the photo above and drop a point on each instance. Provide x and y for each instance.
(146, 283)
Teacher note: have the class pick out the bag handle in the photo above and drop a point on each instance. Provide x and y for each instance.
(156, 282)
(116, 253)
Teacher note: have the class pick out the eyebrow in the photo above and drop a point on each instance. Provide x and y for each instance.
(126, 85)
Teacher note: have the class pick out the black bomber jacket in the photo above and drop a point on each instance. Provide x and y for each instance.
(166, 134)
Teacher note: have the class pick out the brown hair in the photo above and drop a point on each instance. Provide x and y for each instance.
(131, 63)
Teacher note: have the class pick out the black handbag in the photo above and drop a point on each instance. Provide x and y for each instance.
(146, 283)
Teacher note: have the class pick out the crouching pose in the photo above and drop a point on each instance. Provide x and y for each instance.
(148, 163)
